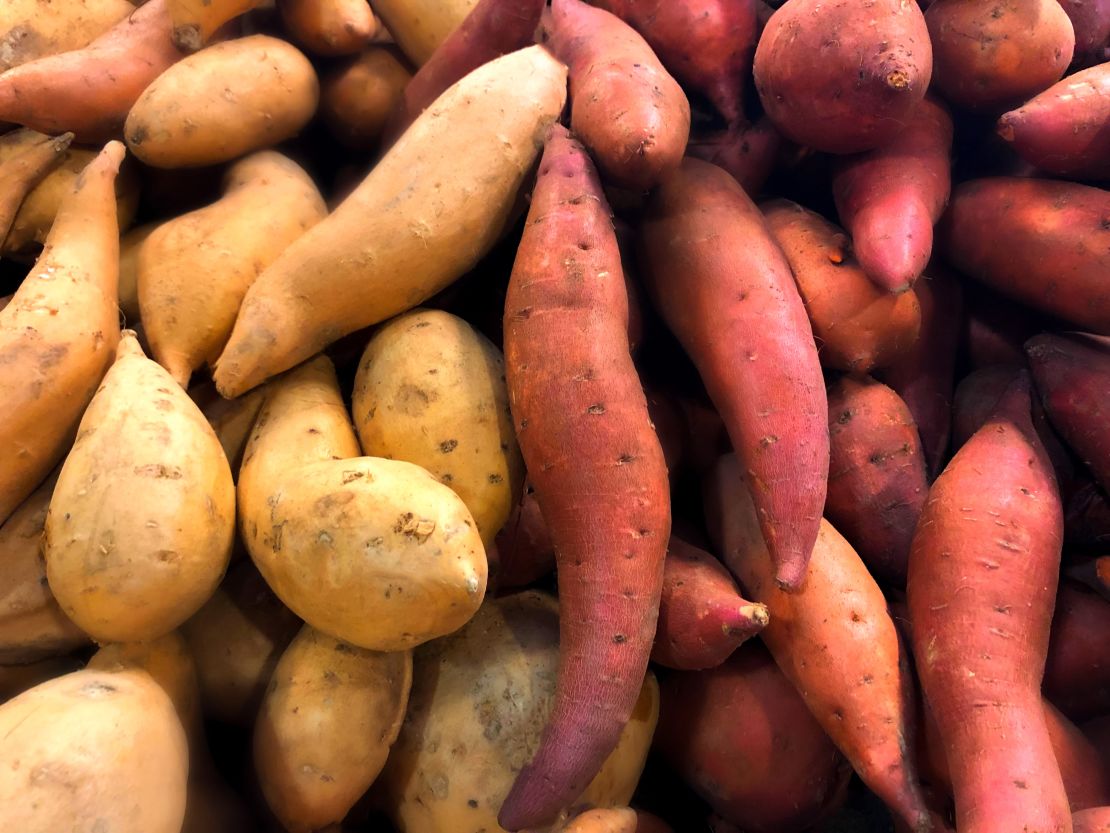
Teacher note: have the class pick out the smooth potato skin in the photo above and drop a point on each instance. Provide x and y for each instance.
(1077, 671)
(195, 21)
(330, 714)
(93, 751)
(329, 27)
(31, 29)
(356, 100)
(1091, 21)
(1094, 820)
(430, 390)
(21, 173)
(843, 76)
(230, 99)
(420, 26)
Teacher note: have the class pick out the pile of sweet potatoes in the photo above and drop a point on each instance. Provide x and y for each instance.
(600, 416)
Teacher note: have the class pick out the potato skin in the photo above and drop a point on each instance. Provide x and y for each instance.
(430, 390)
(330, 714)
(482, 696)
(93, 751)
(227, 100)
(420, 26)
(843, 76)
(329, 27)
(31, 29)
(357, 99)
(141, 523)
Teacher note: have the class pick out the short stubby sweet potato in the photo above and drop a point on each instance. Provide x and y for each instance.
(857, 325)
(329, 27)
(743, 738)
(843, 76)
(357, 98)
(1043, 242)
(993, 56)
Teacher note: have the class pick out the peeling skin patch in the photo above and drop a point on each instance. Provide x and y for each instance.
(159, 470)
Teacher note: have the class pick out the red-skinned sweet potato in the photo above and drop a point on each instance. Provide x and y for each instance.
(706, 44)
(857, 325)
(624, 106)
(747, 151)
(1072, 374)
(1065, 130)
(1091, 21)
(983, 567)
(993, 56)
(1087, 517)
(889, 198)
(725, 289)
(842, 76)
(741, 736)
(597, 467)
(702, 616)
(996, 328)
(90, 91)
(493, 28)
(877, 478)
(835, 640)
(1094, 820)
(1042, 242)
(524, 545)
(1077, 674)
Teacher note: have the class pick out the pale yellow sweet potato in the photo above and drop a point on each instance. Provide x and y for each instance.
(142, 520)
(22, 172)
(130, 245)
(420, 26)
(31, 29)
(16, 679)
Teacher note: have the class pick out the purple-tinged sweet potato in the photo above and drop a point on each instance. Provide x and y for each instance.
(597, 468)
(1077, 674)
(624, 106)
(702, 616)
(742, 737)
(525, 551)
(1095, 573)
(889, 198)
(1091, 21)
(995, 328)
(706, 44)
(843, 76)
(858, 326)
(1065, 130)
(1093, 820)
(993, 56)
(835, 640)
(1087, 518)
(924, 377)
(747, 151)
(877, 477)
(725, 289)
(1072, 374)
(983, 569)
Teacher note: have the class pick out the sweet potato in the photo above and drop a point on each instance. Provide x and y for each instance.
(747, 152)
(31, 29)
(493, 28)
(524, 545)
(996, 328)
(1087, 518)
(877, 477)
(889, 198)
(742, 737)
(441, 198)
(1094, 820)
(702, 616)
(983, 567)
(58, 333)
(924, 377)
(1065, 130)
(330, 715)
(24, 171)
(196, 21)
(142, 519)
(874, 67)
(706, 44)
(833, 639)
(88, 91)
(613, 820)
(93, 748)
(1091, 21)
(624, 106)
(420, 26)
(32, 626)
(1072, 374)
(356, 100)
(597, 467)
(227, 100)
(232, 420)
(1095, 573)
(194, 270)
(857, 325)
(993, 56)
(1077, 674)
(329, 27)
(16, 679)
(725, 289)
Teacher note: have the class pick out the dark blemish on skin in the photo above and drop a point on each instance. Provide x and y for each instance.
(447, 446)
(1021, 785)
(844, 418)
(495, 478)
(596, 409)
(472, 803)
(625, 458)
(620, 639)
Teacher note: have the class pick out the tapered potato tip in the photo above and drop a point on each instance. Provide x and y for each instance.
(747, 618)
(129, 345)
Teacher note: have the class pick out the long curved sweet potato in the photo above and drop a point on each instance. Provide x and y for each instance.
(889, 198)
(983, 567)
(1077, 673)
(597, 468)
(725, 289)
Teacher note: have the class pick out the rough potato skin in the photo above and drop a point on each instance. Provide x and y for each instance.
(725, 289)
(889, 198)
(743, 738)
(624, 106)
(597, 467)
(993, 56)
(983, 571)
(1065, 130)
(843, 76)
(1077, 673)
(31, 29)
(877, 477)
(1043, 242)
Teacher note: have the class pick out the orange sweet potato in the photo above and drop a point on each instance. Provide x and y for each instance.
(356, 99)
(329, 27)
(1094, 820)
